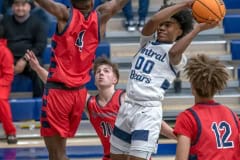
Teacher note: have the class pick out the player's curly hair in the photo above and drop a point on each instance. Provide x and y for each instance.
(105, 61)
(184, 18)
(207, 76)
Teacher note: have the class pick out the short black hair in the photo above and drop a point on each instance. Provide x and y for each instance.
(184, 18)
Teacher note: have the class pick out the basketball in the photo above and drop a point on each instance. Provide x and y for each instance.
(208, 10)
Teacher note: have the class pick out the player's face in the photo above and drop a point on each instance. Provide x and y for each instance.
(85, 6)
(21, 9)
(104, 76)
(168, 31)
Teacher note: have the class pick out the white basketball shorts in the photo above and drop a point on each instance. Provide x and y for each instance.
(137, 128)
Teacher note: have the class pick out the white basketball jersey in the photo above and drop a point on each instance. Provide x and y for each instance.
(151, 74)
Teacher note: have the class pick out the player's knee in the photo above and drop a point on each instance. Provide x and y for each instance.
(118, 156)
(57, 155)
(139, 155)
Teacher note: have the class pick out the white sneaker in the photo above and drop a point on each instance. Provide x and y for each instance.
(141, 24)
(130, 26)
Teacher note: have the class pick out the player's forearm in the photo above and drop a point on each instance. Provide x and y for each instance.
(175, 53)
(161, 16)
(42, 73)
(110, 8)
(57, 9)
(168, 12)
(46, 4)
(183, 147)
(167, 131)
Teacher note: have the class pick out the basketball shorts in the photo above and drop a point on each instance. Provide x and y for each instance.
(137, 128)
(62, 111)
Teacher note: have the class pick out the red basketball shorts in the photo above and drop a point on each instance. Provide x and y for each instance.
(62, 111)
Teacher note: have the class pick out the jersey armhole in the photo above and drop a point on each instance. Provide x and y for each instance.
(199, 126)
(67, 24)
(235, 118)
(88, 101)
(120, 96)
(99, 25)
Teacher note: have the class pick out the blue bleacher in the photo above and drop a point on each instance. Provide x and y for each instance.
(37, 109)
(232, 4)
(239, 74)
(22, 109)
(52, 27)
(21, 83)
(46, 55)
(235, 49)
(231, 23)
(28, 109)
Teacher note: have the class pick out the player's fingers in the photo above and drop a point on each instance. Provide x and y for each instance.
(27, 57)
(32, 55)
(215, 22)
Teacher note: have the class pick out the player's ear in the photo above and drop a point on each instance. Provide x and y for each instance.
(193, 91)
(179, 32)
(115, 80)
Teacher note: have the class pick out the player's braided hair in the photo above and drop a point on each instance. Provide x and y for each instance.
(207, 76)
(105, 61)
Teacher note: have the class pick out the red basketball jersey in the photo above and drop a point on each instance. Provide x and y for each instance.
(73, 51)
(103, 118)
(213, 129)
(6, 70)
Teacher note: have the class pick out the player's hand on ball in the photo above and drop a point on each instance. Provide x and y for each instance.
(205, 26)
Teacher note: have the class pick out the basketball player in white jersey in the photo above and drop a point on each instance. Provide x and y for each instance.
(153, 70)
(102, 108)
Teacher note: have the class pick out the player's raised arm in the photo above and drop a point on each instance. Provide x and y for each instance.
(151, 26)
(60, 11)
(110, 8)
(181, 45)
